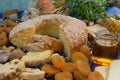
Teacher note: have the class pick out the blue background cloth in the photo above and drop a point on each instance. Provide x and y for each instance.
(12, 4)
(5, 5)
(113, 10)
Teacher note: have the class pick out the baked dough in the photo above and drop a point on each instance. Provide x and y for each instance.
(37, 58)
(44, 42)
(71, 31)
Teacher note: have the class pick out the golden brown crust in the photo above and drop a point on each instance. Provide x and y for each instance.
(37, 58)
(75, 31)
(44, 42)
(32, 74)
(37, 46)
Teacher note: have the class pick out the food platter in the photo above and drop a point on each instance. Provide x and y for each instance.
(35, 43)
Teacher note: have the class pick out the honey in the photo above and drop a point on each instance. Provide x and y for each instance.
(105, 49)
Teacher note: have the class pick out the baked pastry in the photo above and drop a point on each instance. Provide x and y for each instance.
(16, 54)
(9, 48)
(16, 78)
(32, 74)
(71, 31)
(37, 58)
(1, 65)
(4, 56)
(92, 30)
(36, 46)
(43, 42)
(11, 69)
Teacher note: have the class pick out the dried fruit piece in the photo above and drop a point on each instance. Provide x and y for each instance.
(78, 56)
(95, 76)
(79, 76)
(83, 67)
(50, 69)
(63, 76)
(16, 54)
(3, 38)
(58, 61)
(69, 67)
(85, 50)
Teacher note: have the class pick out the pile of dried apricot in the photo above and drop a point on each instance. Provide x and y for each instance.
(77, 69)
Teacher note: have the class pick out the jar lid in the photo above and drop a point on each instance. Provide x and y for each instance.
(105, 35)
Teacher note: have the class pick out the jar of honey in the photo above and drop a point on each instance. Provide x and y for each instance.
(105, 48)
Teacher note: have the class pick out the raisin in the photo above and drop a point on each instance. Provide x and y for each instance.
(16, 62)
(18, 69)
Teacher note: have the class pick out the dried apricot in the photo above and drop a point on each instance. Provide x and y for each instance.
(58, 61)
(85, 50)
(79, 76)
(63, 76)
(83, 67)
(50, 69)
(69, 67)
(95, 76)
(78, 56)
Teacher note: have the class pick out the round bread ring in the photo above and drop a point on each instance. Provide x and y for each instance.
(71, 31)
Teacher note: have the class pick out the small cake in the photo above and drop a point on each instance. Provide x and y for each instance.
(32, 74)
(71, 31)
(11, 69)
(4, 56)
(37, 58)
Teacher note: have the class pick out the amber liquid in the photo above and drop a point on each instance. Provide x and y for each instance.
(104, 53)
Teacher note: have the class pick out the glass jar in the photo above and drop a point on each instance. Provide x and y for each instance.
(105, 48)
